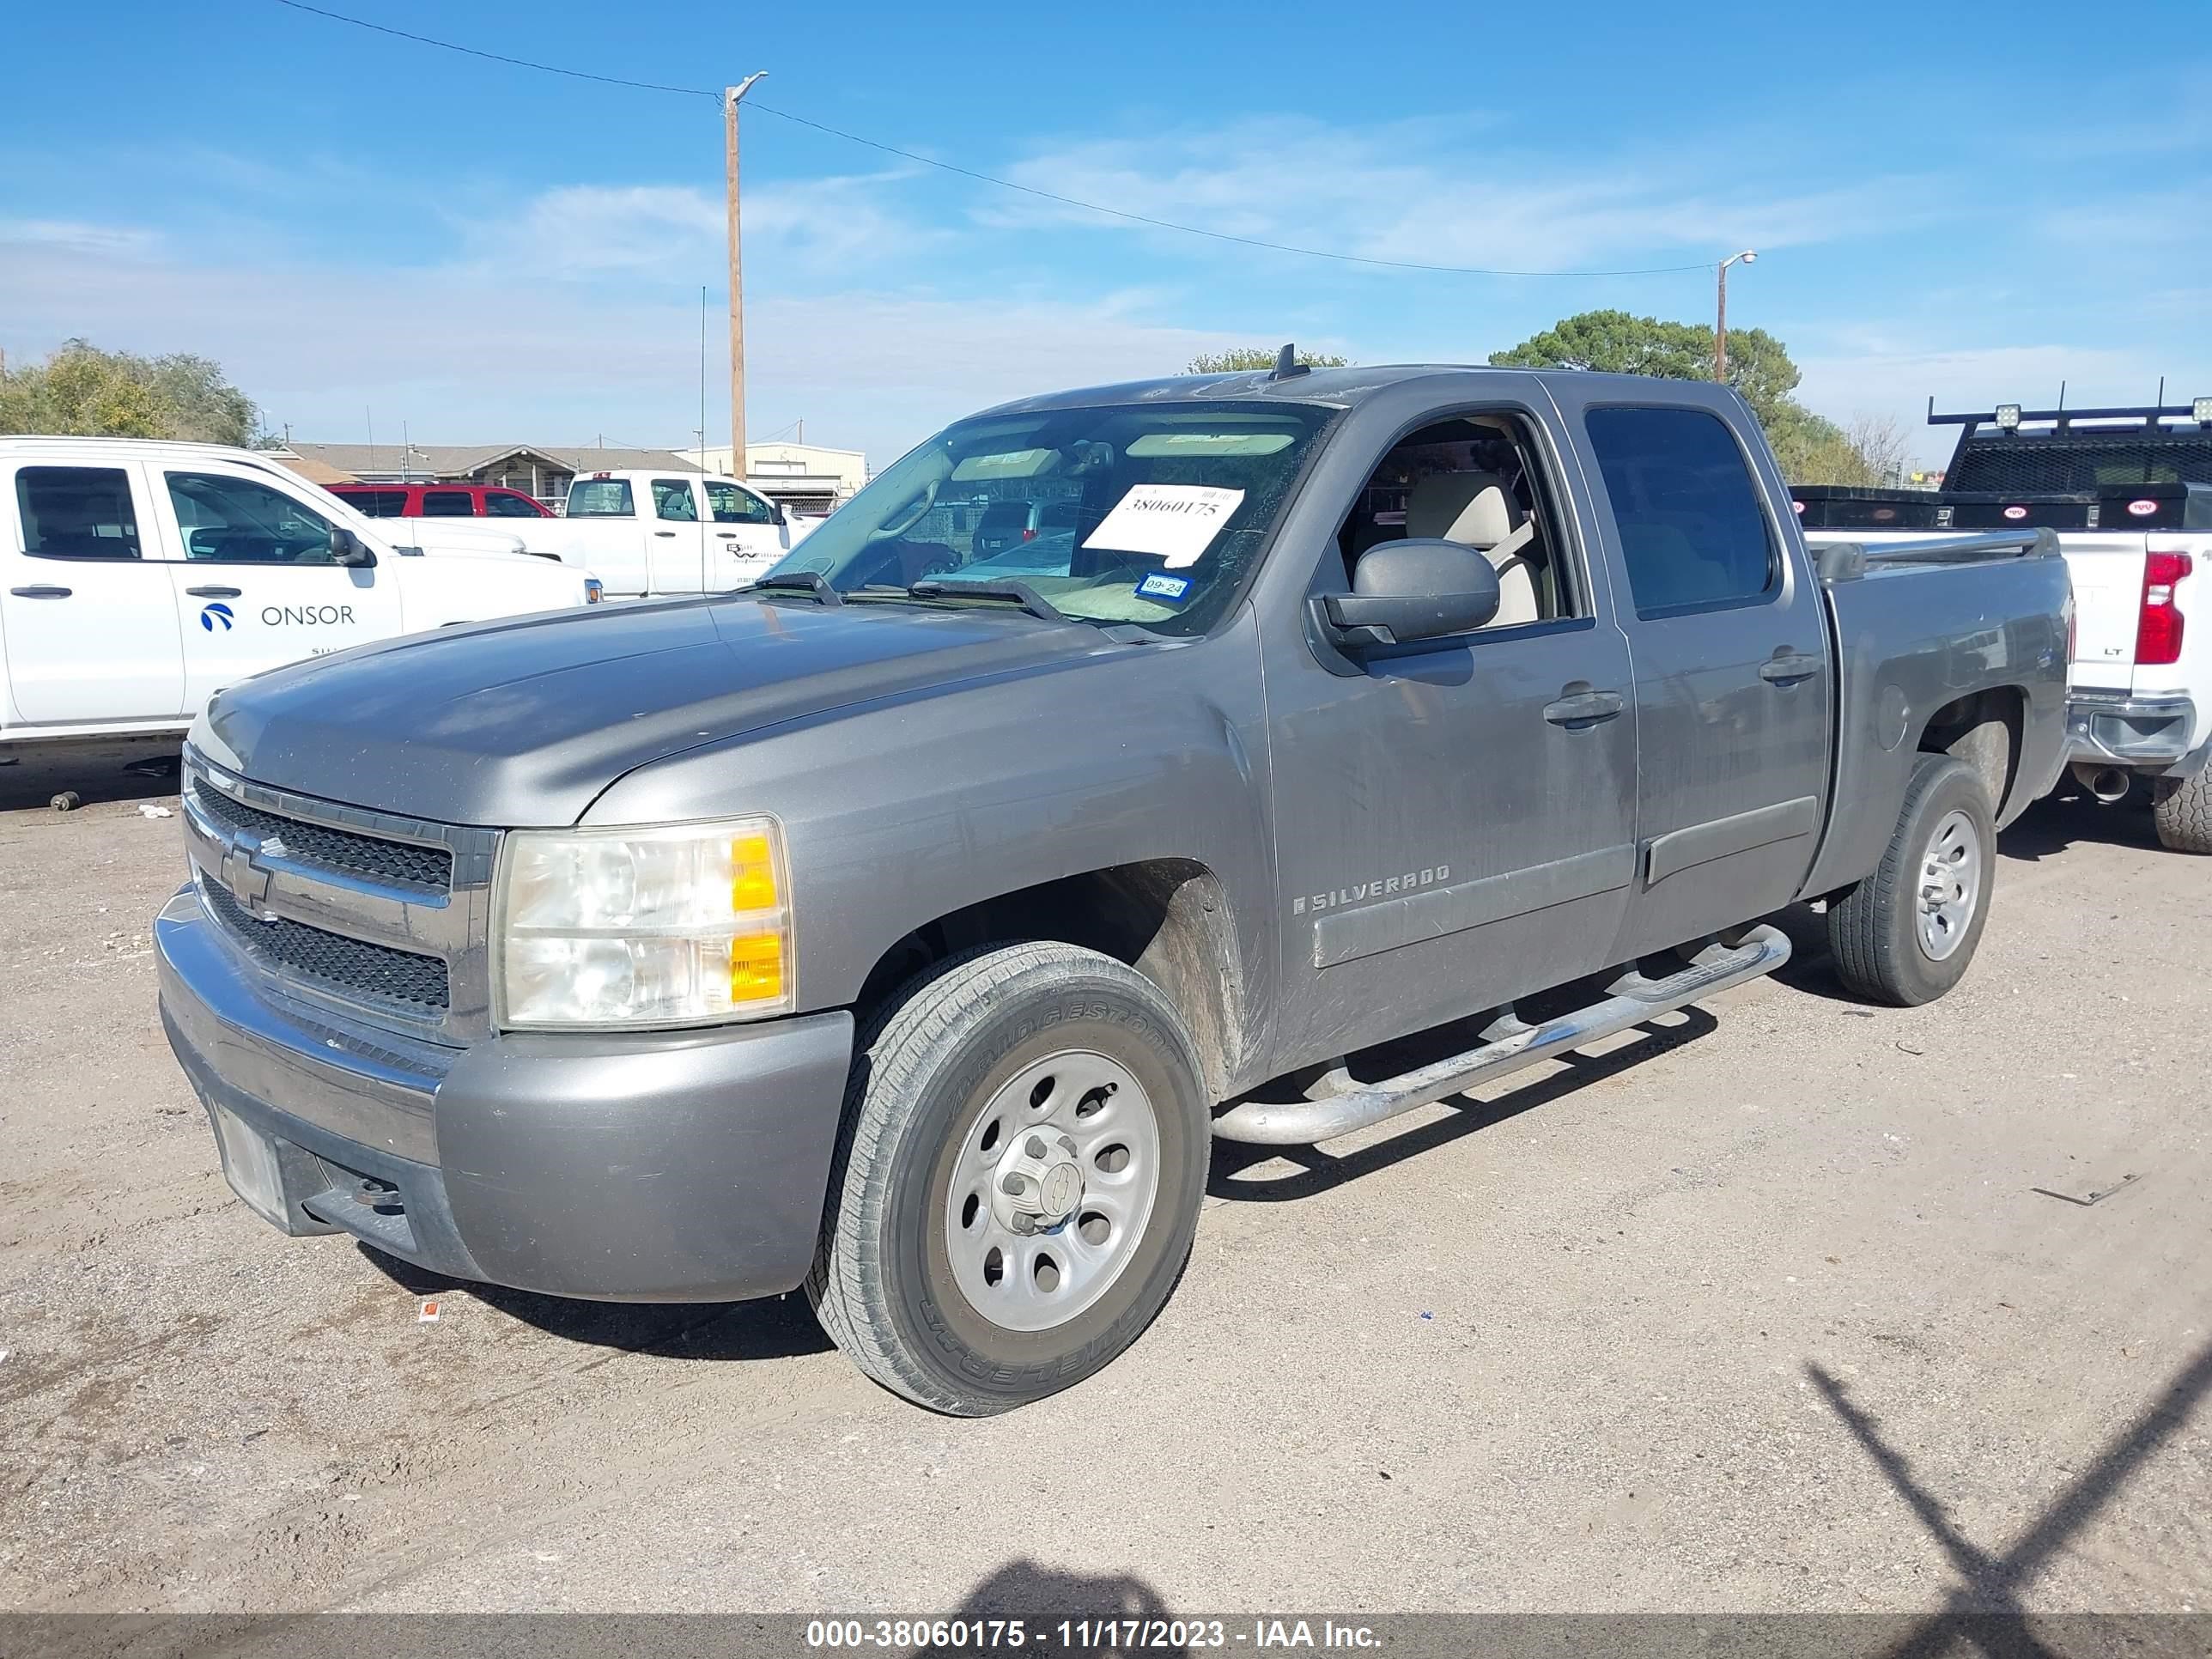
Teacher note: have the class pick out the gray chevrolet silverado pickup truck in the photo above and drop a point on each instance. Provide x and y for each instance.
(904, 925)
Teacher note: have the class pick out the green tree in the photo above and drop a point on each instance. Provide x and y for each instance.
(1615, 343)
(83, 391)
(1243, 359)
(1811, 448)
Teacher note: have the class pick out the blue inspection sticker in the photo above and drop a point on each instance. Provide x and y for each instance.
(1169, 590)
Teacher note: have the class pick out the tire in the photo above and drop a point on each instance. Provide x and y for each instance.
(1882, 951)
(924, 1190)
(2183, 812)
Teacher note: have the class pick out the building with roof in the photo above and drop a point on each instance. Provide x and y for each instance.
(806, 478)
(540, 469)
(315, 472)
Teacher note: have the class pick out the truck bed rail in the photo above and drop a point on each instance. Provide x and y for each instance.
(1847, 561)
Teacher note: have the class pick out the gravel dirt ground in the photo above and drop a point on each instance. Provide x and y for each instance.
(1785, 1305)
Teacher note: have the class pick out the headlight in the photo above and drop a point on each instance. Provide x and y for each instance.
(637, 927)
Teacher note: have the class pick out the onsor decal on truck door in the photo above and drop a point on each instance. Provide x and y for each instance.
(306, 616)
(218, 615)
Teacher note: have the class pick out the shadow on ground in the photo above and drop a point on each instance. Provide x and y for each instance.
(2071, 815)
(776, 1327)
(1992, 1583)
(95, 774)
(1041, 1597)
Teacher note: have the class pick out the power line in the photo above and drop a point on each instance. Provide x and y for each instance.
(494, 57)
(984, 178)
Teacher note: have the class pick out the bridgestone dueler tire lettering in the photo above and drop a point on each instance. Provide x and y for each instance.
(923, 1066)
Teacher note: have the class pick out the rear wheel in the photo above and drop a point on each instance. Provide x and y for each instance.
(1905, 934)
(1019, 1181)
(2183, 812)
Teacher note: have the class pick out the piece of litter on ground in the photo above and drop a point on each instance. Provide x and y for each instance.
(1907, 1049)
(1426, 1315)
(156, 813)
(428, 1313)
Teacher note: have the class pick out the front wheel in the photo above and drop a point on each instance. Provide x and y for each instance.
(1905, 934)
(1019, 1179)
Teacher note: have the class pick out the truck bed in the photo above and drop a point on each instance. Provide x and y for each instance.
(1914, 638)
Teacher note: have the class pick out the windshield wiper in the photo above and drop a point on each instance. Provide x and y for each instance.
(812, 583)
(1020, 593)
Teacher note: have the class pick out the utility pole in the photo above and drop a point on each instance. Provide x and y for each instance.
(1720, 319)
(729, 97)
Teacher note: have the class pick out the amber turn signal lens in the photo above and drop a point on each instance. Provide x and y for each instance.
(756, 968)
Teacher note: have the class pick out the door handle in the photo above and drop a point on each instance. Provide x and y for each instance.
(216, 593)
(1789, 668)
(727, 535)
(1586, 708)
(40, 590)
(664, 533)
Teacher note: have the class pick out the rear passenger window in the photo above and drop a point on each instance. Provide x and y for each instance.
(76, 512)
(501, 504)
(448, 504)
(600, 498)
(1692, 533)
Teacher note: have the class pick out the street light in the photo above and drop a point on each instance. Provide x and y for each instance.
(1719, 322)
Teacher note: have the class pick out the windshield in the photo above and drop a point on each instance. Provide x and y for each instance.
(1119, 514)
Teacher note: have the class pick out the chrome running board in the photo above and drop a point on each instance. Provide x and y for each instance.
(1508, 1044)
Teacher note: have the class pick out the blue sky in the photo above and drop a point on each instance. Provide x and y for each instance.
(1975, 202)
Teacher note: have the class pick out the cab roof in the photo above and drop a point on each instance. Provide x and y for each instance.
(1333, 388)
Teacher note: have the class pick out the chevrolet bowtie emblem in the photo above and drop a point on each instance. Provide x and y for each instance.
(245, 874)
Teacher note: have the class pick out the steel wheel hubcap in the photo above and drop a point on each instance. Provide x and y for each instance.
(1054, 1182)
(1950, 885)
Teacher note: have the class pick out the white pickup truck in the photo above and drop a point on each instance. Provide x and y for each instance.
(647, 532)
(138, 578)
(2129, 492)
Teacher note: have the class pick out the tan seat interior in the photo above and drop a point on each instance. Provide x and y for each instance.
(1476, 510)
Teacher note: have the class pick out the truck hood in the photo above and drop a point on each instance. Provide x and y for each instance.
(524, 723)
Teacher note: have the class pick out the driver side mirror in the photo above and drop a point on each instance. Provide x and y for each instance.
(1405, 591)
(781, 517)
(348, 549)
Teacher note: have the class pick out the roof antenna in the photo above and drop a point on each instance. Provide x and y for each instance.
(1287, 365)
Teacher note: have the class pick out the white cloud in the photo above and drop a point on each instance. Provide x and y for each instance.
(461, 355)
(584, 230)
(1438, 192)
(678, 233)
(75, 236)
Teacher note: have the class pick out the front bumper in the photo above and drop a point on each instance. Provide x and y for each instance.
(651, 1167)
(2148, 734)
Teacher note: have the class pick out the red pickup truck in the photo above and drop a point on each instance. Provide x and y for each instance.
(440, 500)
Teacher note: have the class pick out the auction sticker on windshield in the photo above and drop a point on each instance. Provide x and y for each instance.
(1177, 522)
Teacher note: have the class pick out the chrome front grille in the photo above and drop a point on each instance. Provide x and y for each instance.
(373, 916)
(350, 966)
(430, 868)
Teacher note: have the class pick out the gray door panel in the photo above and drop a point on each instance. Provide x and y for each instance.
(1446, 845)
(1732, 690)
